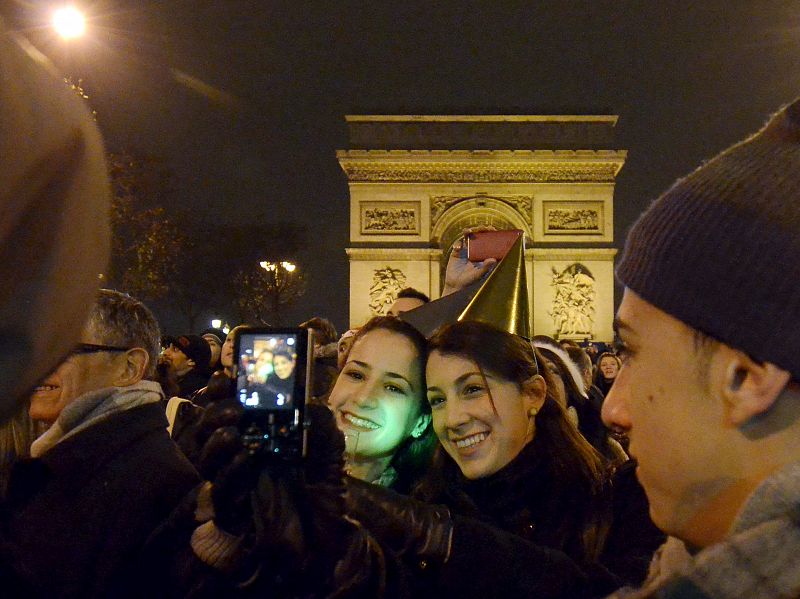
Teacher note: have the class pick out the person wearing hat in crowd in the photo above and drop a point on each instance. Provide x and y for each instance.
(215, 338)
(709, 390)
(188, 357)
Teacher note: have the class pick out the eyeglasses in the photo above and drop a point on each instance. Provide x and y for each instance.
(91, 348)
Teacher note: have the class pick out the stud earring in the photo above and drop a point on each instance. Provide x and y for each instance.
(533, 411)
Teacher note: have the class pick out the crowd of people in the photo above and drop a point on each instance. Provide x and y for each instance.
(471, 462)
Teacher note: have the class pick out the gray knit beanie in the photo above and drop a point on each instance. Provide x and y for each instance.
(720, 250)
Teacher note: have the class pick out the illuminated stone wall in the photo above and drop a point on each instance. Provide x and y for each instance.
(410, 198)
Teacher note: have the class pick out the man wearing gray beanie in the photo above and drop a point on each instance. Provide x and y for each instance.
(709, 391)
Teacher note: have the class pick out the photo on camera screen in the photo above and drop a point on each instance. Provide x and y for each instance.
(266, 373)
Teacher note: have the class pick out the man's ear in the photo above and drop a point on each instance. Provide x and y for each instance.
(750, 388)
(535, 392)
(132, 367)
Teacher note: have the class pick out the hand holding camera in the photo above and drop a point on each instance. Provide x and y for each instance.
(275, 515)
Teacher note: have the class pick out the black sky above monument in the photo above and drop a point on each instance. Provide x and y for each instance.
(245, 99)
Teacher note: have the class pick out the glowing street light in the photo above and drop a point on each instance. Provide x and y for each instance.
(216, 323)
(69, 22)
(273, 266)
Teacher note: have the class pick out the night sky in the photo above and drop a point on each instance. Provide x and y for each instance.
(245, 100)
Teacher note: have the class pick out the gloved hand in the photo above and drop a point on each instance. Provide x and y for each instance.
(275, 521)
(410, 528)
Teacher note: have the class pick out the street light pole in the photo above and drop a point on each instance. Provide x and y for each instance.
(278, 274)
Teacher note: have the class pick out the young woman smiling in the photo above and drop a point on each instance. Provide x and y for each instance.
(513, 484)
(508, 453)
(380, 405)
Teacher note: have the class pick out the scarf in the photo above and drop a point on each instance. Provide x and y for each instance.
(759, 559)
(93, 407)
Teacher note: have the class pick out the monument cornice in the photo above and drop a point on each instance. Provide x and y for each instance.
(492, 166)
(393, 253)
(605, 254)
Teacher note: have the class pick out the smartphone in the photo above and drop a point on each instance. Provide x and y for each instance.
(273, 380)
(490, 244)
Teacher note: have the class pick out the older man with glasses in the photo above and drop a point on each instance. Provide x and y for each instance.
(105, 473)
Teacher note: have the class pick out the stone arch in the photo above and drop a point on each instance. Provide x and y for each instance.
(473, 211)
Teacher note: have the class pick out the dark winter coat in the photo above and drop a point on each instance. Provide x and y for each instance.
(516, 526)
(193, 381)
(81, 512)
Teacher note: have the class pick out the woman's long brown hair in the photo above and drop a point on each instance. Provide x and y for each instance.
(574, 464)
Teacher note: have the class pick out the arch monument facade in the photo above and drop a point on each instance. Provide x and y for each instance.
(416, 181)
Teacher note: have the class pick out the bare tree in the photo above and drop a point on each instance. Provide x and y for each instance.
(146, 241)
(262, 292)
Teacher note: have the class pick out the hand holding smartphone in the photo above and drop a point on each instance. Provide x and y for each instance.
(482, 245)
(273, 379)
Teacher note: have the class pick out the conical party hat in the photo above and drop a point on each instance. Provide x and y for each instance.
(501, 299)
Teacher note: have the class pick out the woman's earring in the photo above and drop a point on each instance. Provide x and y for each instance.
(532, 422)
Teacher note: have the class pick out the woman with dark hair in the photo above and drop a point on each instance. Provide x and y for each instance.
(512, 485)
(608, 366)
(380, 405)
(508, 453)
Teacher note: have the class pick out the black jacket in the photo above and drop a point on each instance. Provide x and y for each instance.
(527, 516)
(514, 532)
(192, 381)
(79, 515)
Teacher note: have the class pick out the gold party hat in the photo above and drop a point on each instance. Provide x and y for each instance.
(499, 299)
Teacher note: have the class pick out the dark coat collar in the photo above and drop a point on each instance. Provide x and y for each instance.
(74, 460)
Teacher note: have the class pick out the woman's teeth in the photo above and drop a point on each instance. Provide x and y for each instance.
(361, 422)
(471, 440)
(41, 388)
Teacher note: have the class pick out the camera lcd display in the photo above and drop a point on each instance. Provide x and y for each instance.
(267, 368)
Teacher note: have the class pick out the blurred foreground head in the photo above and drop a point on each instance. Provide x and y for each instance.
(54, 232)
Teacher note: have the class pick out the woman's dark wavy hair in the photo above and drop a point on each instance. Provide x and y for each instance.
(413, 457)
(577, 470)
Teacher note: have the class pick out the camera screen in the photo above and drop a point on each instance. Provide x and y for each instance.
(266, 373)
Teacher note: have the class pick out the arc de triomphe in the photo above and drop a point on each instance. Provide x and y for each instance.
(416, 181)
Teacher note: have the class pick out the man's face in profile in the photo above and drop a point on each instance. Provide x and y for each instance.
(178, 361)
(75, 376)
(404, 304)
(677, 430)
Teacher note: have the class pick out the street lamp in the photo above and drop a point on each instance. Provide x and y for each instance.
(216, 323)
(281, 283)
(274, 266)
(69, 22)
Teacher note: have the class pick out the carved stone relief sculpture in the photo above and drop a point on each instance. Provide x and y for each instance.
(386, 284)
(573, 218)
(573, 308)
(398, 218)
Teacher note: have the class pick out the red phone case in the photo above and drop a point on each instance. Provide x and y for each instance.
(490, 244)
